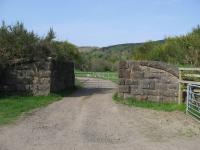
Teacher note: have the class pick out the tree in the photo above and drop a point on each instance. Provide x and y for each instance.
(17, 43)
(50, 35)
(181, 50)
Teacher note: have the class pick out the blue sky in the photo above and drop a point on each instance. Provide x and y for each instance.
(104, 22)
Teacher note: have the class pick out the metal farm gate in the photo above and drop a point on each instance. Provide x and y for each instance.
(193, 101)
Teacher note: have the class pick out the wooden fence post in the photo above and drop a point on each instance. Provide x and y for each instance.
(180, 94)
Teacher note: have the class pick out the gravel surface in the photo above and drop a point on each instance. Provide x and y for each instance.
(90, 120)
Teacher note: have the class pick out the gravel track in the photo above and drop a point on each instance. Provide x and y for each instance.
(90, 120)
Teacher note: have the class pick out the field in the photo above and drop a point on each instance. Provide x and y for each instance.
(113, 76)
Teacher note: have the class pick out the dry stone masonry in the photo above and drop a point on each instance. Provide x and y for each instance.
(148, 80)
(37, 77)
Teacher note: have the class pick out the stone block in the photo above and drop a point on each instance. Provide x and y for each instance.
(137, 75)
(121, 73)
(154, 98)
(43, 80)
(165, 80)
(148, 84)
(27, 87)
(44, 73)
(136, 91)
(157, 65)
(168, 99)
(124, 89)
(173, 71)
(150, 92)
(122, 64)
(168, 93)
(173, 86)
(143, 63)
(141, 97)
(162, 86)
(152, 75)
(135, 67)
(134, 86)
(43, 86)
(21, 87)
(121, 82)
(131, 82)
(127, 74)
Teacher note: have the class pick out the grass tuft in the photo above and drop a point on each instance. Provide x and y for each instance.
(149, 105)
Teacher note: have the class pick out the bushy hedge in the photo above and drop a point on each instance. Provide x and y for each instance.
(16, 43)
(180, 50)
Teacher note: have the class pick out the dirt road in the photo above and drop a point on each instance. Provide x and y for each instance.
(90, 120)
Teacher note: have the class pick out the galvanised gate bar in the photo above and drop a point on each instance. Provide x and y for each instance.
(193, 101)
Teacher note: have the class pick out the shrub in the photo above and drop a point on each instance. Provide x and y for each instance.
(182, 50)
(18, 43)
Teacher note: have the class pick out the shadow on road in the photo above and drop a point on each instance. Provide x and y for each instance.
(92, 86)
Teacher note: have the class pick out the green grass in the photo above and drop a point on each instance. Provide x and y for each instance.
(112, 76)
(149, 105)
(12, 107)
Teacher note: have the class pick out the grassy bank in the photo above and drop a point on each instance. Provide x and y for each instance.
(133, 102)
(11, 107)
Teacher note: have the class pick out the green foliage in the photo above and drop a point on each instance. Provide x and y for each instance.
(65, 50)
(133, 102)
(100, 61)
(107, 58)
(182, 50)
(17, 43)
(144, 49)
(50, 35)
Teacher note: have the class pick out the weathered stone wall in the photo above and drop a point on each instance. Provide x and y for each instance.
(148, 80)
(37, 77)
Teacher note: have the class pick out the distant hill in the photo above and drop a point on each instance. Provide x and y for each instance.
(126, 46)
(118, 47)
(106, 58)
(87, 48)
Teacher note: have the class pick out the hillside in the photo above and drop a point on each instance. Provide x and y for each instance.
(118, 47)
(106, 58)
(128, 46)
(87, 48)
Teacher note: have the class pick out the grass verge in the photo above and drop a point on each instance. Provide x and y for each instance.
(149, 105)
(11, 107)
